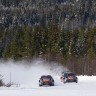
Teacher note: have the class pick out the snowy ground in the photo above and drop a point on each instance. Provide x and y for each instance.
(27, 79)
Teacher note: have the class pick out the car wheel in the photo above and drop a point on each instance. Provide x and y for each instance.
(52, 84)
(76, 81)
(65, 80)
(40, 84)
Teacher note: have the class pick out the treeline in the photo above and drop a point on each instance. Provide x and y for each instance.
(75, 49)
(55, 30)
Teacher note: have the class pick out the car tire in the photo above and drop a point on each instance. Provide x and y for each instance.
(76, 81)
(52, 84)
(40, 84)
(65, 80)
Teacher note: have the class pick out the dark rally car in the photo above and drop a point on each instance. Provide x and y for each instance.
(68, 77)
(46, 80)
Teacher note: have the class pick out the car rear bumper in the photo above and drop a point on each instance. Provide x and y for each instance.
(47, 83)
(70, 80)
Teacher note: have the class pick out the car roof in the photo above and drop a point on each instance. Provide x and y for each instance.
(46, 76)
(67, 72)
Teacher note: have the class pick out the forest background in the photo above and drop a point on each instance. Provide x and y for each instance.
(62, 31)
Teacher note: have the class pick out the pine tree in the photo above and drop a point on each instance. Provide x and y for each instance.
(27, 46)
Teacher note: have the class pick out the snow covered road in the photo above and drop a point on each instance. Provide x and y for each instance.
(85, 87)
(27, 78)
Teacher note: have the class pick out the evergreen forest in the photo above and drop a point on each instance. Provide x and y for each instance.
(62, 31)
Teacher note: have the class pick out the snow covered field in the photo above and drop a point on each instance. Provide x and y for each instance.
(27, 79)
